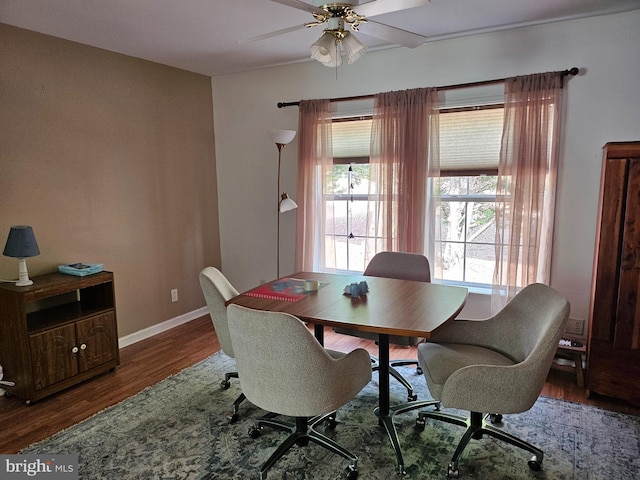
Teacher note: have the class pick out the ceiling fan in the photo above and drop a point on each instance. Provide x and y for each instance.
(338, 17)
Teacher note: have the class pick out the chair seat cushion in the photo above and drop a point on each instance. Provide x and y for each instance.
(440, 360)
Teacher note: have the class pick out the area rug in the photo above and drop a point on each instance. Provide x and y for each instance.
(177, 429)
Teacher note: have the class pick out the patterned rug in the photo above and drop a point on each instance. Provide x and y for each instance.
(177, 429)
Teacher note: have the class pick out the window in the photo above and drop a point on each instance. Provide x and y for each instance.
(469, 152)
(467, 213)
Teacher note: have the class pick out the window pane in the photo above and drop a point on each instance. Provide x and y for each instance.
(454, 185)
(481, 225)
(483, 184)
(340, 184)
(453, 261)
(336, 221)
(358, 210)
(480, 263)
(360, 179)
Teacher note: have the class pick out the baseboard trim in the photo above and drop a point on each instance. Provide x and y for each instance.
(161, 327)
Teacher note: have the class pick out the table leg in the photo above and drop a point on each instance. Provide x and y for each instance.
(318, 331)
(384, 411)
(384, 418)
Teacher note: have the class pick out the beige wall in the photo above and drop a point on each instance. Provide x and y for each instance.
(111, 160)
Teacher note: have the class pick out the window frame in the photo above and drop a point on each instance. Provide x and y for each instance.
(443, 173)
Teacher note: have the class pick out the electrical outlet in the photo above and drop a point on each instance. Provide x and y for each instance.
(575, 326)
(174, 295)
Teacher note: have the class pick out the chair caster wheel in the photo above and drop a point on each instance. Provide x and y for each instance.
(254, 431)
(332, 423)
(352, 473)
(419, 371)
(412, 398)
(452, 472)
(225, 384)
(233, 417)
(535, 464)
(420, 424)
(495, 418)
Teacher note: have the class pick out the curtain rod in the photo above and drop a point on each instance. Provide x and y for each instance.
(572, 71)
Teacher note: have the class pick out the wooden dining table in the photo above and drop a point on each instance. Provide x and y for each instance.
(390, 307)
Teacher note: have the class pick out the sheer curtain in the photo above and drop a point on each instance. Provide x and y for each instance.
(404, 162)
(315, 168)
(527, 172)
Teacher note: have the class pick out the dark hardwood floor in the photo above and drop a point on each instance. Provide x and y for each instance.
(147, 362)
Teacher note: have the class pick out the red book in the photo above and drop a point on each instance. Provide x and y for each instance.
(287, 289)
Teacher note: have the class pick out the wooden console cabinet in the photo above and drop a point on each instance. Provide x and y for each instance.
(57, 332)
(613, 365)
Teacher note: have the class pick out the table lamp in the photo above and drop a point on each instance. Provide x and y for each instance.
(21, 244)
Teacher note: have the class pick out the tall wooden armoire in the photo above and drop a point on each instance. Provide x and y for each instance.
(614, 339)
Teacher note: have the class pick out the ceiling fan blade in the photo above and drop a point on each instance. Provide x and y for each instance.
(392, 34)
(269, 35)
(379, 7)
(300, 5)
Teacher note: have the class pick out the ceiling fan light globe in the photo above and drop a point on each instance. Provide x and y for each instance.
(353, 47)
(323, 48)
(336, 58)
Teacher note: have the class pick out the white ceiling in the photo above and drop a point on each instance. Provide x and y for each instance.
(202, 35)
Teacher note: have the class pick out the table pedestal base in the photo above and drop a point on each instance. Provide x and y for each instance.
(386, 421)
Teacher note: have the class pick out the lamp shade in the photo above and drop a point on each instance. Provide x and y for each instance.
(336, 58)
(353, 47)
(282, 137)
(286, 204)
(323, 49)
(21, 243)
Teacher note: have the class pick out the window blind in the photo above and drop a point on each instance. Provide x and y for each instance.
(469, 139)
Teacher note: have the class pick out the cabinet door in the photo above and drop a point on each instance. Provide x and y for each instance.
(627, 333)
(52, 356)
(97, 340)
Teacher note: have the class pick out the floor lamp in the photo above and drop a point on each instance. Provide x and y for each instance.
(282, 138)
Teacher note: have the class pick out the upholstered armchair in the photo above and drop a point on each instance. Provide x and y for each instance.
(284, 370)
(495, 365)
(217, 290)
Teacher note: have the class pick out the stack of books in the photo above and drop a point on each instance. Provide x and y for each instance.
(81, 269)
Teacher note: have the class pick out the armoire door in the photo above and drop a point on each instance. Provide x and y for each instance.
(614, 341)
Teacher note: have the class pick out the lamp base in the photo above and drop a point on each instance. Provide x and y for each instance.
(23, 275)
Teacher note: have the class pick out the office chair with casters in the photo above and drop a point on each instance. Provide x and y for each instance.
(284, 370)
(494, 365)
(403, 266)
(217, 290)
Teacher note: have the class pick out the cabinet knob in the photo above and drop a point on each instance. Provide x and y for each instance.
(83, 346)
(74, 350)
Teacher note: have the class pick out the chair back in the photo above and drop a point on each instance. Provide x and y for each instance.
(217, 290)
(284, 369)
(527, 331)
(400, 265)
(531, 324)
